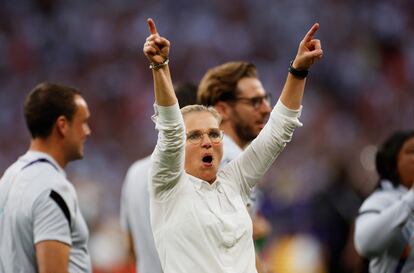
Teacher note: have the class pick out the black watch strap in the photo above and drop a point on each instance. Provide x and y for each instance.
(297, 73)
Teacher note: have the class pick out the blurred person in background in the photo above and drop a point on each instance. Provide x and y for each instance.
(198, 212)
(237, 94)
(385, 225)
(41, 226)
(135, 211)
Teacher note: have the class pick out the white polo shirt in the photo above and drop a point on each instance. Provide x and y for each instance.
(135, 216)
(206, 228)
(38, 203)
(384, 229)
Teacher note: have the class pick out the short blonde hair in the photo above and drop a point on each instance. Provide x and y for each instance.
(201, 108)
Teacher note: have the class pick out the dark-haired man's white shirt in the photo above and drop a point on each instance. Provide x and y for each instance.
(34, 192)
(384, 229)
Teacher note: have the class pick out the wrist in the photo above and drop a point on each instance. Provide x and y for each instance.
(157, 66)
(303, 73)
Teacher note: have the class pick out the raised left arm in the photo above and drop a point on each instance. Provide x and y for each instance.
(263, 150)
(309, 52)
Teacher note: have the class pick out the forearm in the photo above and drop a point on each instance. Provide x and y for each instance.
(292, 92)
(52, 257)
(163, 87)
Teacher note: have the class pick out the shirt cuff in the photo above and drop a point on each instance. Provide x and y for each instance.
(60, 238)
(168, 113)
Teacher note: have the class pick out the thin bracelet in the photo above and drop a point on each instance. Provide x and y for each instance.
(155, 66)
(297, 73)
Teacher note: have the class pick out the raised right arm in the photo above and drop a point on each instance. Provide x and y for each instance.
(168, 156)
(263, 150)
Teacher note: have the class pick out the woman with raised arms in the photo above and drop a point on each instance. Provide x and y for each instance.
(198, 213)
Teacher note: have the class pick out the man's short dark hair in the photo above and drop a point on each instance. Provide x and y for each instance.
(186, 93)
(45, 103)
(386, 160)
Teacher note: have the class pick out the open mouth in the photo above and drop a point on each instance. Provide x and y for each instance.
(207, 159)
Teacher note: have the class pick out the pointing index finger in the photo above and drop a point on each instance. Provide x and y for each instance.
(151, 26)
(309, 36)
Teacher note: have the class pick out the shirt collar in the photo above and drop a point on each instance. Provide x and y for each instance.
(35, 155)
(200, 184)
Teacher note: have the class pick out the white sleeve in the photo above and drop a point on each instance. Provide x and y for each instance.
(381, 220)
(168, 157)
(50, 221)
(248, 168)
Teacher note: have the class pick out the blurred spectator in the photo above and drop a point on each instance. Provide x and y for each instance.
(384, 227)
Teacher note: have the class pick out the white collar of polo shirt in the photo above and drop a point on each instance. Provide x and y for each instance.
(35, 155)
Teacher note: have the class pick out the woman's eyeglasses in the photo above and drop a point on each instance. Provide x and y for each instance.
(215, 135)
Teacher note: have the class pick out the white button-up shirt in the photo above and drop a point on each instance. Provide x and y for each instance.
(201, 227)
